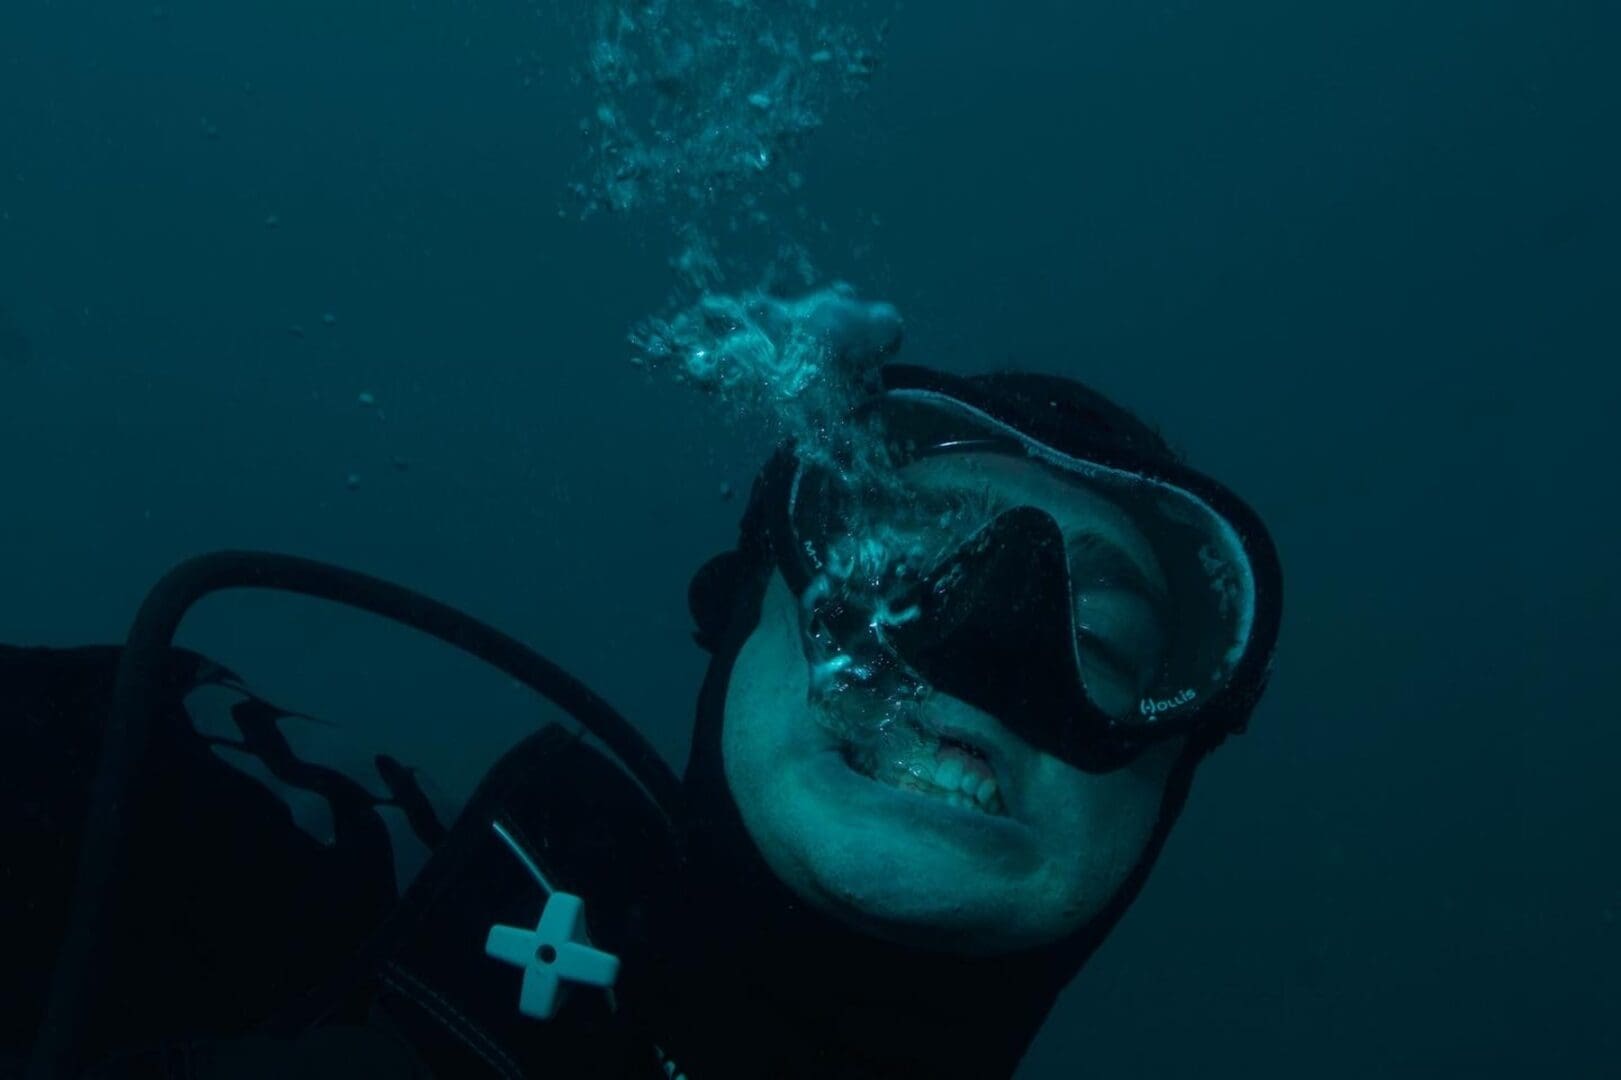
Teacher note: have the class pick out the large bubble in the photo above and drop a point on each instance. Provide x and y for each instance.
(802, 362)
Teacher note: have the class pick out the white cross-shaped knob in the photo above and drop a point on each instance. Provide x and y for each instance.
(554, 953)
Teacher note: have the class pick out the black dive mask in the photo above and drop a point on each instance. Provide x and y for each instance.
(1092, 606)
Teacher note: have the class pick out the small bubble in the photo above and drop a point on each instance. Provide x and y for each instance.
(367, 399)
(352, 482)
(329, 319)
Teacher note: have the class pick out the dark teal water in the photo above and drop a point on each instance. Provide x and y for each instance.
(1358, 260)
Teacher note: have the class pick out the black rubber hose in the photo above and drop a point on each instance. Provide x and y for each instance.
(76, 981)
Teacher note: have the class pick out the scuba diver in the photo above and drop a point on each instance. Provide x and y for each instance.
(961, 679)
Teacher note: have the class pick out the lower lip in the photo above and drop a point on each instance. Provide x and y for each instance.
(926, 811)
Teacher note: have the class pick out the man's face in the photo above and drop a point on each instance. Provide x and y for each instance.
(946, 862)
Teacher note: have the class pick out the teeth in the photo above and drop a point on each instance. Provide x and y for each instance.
(973, 793)
(964, 781)
(958, 776)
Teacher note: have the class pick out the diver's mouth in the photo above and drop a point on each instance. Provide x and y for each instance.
(933, 766)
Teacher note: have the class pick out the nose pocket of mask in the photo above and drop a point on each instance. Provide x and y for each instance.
(994, 627)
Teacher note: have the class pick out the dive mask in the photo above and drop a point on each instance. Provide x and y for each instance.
(1093, 600)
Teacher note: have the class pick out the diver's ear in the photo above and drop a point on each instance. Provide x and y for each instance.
(712, 597)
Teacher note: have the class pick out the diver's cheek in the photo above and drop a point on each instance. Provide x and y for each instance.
(1094, 831)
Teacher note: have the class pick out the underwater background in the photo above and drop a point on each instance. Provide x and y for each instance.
(313, 277)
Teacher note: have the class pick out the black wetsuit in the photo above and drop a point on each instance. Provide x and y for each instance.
(281, 917)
